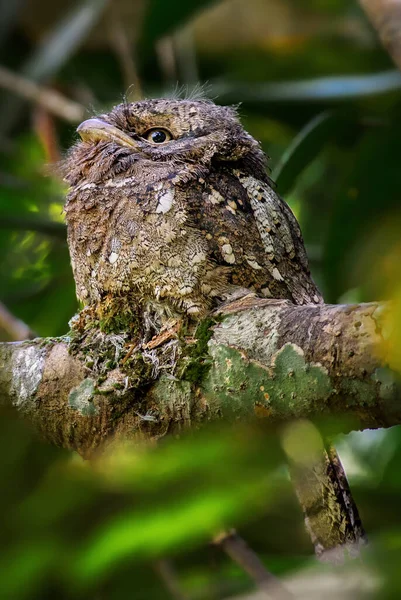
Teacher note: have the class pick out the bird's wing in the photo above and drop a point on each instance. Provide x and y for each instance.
(282, 239)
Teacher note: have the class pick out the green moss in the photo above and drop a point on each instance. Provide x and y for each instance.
(357, 392)
(174, 394)
(195, 361)
(138, 371)
(48, 341)
(118, 322)
(112, 315)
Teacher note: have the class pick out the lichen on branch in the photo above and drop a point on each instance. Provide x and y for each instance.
(265, 359)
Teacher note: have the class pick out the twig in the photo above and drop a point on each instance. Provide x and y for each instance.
(239, 551)
(51, 100)
(167, 59)
(125, 53)
(15, 328)
(168, 575)
(177, 57)
(45, 128)
(186, 56)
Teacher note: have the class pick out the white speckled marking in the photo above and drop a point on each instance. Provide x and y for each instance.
(198, 258)
(227, 253)
(113, 258)
(119, 182)
(186, 290)
(254, 264)
(165, 202)
(215, 197)
(87, 186)
(227, 249)
(115, 245)
(277, 275)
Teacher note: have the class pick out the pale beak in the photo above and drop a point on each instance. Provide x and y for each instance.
(96, 130)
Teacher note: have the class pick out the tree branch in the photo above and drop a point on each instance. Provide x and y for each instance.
(50, 99)
(271, 360)
(14, 328)
(239, 551)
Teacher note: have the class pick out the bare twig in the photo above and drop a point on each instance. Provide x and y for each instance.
(51, 100)
(385, 16)
(168, 575)
(239, 551)
(14, 328)
(167, 60)
(45, 128)
(186, 56)
(52, 53)
(124, 50)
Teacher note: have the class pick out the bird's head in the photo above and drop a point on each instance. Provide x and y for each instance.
(152, 133)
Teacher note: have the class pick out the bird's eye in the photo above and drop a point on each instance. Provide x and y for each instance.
(157, 136)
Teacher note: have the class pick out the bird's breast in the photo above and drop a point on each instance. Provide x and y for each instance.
(123, 236)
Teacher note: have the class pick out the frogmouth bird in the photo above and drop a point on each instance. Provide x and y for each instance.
(170, 203)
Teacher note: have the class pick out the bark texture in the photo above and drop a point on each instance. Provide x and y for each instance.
(268, 359)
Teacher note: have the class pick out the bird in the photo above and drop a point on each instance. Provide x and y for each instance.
(170, 205)
(170, 200)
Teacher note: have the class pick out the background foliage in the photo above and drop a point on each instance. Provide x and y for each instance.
(321, 94)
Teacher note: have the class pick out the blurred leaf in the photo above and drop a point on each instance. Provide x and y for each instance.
(307, 144)
(24, 570)
(193, 491)
(195, 519)
(390, 347)
(72, 525)
(324, 88)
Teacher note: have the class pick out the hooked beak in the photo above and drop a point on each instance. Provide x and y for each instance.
(96, 130)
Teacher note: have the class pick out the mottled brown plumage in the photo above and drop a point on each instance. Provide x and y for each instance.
(189, 221)
(170, 203)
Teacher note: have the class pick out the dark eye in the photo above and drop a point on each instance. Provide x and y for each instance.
(157, 136)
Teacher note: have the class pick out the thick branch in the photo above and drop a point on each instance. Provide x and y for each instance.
(275, 360)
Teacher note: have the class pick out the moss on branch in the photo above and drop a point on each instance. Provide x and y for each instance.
(269, 359)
